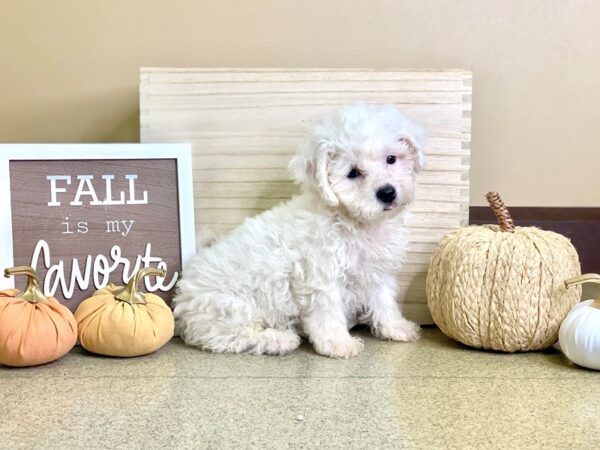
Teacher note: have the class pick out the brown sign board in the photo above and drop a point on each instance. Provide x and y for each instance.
(84, 216)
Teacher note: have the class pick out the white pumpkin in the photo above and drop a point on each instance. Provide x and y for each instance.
(579, 334)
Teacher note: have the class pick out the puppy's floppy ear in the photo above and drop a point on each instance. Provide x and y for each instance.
(413, 137)
(322, 161)
(309, 167)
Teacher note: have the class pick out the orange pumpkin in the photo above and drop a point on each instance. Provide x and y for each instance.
(34, 329)
(122, 321)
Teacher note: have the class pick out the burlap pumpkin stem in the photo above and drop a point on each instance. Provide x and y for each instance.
(500, 287)
(501, 212)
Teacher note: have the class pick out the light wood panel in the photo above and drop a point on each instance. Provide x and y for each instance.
(244, 125)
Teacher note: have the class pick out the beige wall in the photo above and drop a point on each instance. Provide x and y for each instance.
(69, 70)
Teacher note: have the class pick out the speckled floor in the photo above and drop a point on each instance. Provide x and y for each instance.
(430, 394)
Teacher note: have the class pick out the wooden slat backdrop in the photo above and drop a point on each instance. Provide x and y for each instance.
(244, 125)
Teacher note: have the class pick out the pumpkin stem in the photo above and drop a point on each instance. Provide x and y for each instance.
(32, 292)
(585, 278)
(501, 211)
(131, 293)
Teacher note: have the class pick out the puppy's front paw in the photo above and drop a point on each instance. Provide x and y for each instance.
(339, 347)
(404, 330)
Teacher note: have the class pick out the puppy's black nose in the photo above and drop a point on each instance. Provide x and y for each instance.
(386, 194)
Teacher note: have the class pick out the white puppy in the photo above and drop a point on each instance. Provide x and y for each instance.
(322, 262)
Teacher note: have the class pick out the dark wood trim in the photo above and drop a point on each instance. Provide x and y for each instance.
(531, 213)
(581, 225)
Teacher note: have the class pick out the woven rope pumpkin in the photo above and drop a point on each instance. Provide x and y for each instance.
(501, 287)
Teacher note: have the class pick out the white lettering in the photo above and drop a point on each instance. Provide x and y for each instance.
(67, 228)
(85, 180)
(82, 227)
(86, 188)
(54, 190)
(127, 228)
(132, 200)
(109, 200)
(96, 269)
(112, 226)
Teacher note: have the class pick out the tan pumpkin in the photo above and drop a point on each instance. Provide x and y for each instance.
(501, 287)
(34, 329)
(122, 321)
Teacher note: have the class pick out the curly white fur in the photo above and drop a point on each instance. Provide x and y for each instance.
(322, 262)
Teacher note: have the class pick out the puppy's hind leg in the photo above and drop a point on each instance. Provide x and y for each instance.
(275, 342)
(256, 340)
(226, 324)
(222, 337)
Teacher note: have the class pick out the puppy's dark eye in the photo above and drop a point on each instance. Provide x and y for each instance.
(353, 173)
(391, 159)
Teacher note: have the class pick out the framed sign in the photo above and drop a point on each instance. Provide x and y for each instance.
(87, 215)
